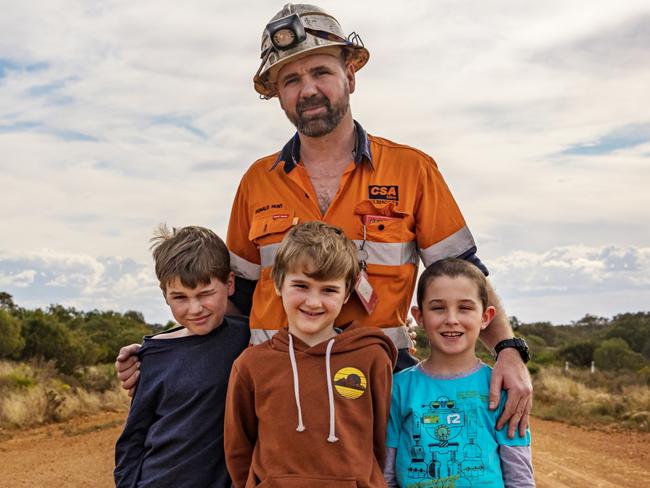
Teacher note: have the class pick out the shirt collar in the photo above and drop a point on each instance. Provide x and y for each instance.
(290, 153)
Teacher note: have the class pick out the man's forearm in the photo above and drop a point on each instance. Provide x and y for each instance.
(499, 329)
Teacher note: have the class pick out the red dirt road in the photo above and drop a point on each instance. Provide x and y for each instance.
(79, 454)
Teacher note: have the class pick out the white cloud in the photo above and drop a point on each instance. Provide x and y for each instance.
(118, 115)
(21, 279)
(37, 279)
(565, 283)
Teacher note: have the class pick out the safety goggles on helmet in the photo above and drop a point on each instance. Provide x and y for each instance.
(297, 31)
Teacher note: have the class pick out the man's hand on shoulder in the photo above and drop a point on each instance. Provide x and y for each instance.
(511, 374)
(127, 367)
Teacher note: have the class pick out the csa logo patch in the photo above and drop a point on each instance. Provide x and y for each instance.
(383, 192)
(350, 382)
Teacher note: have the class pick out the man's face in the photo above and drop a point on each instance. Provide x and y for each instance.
(314, 92)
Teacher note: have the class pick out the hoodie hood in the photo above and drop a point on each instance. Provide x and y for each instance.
(353, 336)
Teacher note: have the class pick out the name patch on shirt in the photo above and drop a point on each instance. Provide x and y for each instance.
(264, 208)
(383, 192)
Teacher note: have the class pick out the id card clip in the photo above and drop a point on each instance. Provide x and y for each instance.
(362, 287)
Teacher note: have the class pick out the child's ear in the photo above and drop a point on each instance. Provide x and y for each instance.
(277, 290)
(417, 315)
(488, 315)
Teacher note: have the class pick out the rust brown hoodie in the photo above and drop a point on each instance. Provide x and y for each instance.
(300, 416)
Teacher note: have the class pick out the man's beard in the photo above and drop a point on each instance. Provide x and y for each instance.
(322, 123)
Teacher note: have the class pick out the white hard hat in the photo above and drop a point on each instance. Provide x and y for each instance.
(300, 30)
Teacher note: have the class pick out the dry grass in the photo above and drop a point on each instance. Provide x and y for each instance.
(604, 402)
(32, 394)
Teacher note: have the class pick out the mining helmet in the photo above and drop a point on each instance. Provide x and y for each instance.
(300, 30)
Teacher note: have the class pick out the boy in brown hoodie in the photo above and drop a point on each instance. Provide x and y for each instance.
(309, 407)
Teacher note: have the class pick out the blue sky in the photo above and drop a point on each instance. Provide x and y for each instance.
(116, 115)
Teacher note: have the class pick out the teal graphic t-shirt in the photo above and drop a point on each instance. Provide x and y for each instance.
(443, 431)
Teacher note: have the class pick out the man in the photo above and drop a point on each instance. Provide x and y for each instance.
(388, 198)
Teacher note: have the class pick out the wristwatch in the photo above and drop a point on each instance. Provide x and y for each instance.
(518, 343)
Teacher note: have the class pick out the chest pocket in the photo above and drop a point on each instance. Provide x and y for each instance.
(384, 223)
(269, 229)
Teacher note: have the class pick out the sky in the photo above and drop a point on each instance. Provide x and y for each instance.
(118, 115)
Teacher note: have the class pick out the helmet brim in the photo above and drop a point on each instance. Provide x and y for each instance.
(264, 82)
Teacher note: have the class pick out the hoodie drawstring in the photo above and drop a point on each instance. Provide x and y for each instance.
(330, 393)
(296, 386)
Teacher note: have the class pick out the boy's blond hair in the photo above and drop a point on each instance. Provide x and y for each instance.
(319, 250)
(193, 254)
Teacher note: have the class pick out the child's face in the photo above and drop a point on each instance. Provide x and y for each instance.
(200, 310)
(452, 315)
(312, 305)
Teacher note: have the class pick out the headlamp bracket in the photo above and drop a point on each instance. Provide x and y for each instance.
(286, 32)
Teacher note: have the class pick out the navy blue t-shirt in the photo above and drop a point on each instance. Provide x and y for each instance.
(173, 436)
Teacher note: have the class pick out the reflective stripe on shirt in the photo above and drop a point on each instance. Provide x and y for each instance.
(399, 335)
(452, 246)
(243, 268)
(382, 253)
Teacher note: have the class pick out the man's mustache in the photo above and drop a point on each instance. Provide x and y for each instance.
(313, 102)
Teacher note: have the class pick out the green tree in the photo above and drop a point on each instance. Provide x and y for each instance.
(110, 330)
(7, 301)
(634, 328)
(591, 321)
(11, 340)
(515, 323)
(579, 353)
(47, 338)
(545, 330)
(134, 316)
(615, 354)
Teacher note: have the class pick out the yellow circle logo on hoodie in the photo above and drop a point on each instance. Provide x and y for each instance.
(350, 382)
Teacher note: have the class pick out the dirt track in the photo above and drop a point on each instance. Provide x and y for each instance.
(80, 454)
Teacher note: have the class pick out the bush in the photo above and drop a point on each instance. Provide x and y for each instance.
(615, 354)
(47, 338)
(36, 393)
(109, 331)
(579, 353)
(544, 357)
(17, 380)
(11, 340)
(98, 378)
(614, 399)
(634, 328)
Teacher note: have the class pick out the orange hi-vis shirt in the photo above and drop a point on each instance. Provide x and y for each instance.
(396, 190)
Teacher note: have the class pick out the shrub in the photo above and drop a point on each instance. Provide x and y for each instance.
(579, 353)
(11, 341)
(98, 378)
(615, 354)
(47, 338)
(36, 393)
(544, 357)
(17, 379)
(566, 397)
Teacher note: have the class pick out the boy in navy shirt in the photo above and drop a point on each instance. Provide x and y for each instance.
(173, 436)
